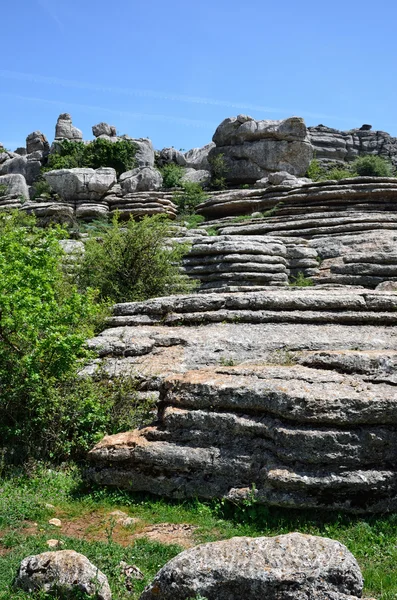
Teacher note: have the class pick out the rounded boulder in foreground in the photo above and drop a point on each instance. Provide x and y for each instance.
(285, 567)
(66, 572)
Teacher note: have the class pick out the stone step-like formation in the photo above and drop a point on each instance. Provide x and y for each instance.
(138, 204)
(362, 194)
(237, 263)
(292, 305)
(303, 437)
(367, 269)
(291, 390)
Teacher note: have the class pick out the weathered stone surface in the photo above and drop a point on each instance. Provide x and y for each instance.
(196, 176)
(167, 156)
(253, 149)
(27, 166)
(222, 261)
(37, 141)
(141, 180)
(334, 145)
(65, 130)
(64, 570)
(276, 568)
(197, 158)
(16, 187)
(145, 152)
(104, 129)
(306, 414)
(84, 184)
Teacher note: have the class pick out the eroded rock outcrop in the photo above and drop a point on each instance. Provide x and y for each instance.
(251, 149)
(65, 130)
(276, 568)
(290, 391)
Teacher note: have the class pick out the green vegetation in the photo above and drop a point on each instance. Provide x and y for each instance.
(41, 188)
(370, 166)
(172, 175)
(218, 171)
(24, 497)
(46, 409)
(134, 261)
(100, 153)
(3, 190)
(301, 281)
(374, 166)
(190, 196)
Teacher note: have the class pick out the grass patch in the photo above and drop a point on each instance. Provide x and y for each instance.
(23, 497)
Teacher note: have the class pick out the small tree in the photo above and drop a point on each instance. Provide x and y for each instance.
(172, 175)
(190, 196)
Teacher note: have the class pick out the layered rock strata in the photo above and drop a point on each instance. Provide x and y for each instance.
(235, 263)
(249, 150)
(333, 145)
(299, 402)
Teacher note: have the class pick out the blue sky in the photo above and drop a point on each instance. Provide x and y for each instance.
(172, 70)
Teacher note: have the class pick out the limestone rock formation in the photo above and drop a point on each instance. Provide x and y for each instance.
(37, 141)
(141, 180)
(81, 184)
(15, 164)
(197, 158)
(65, 130)
(252, 149)
(15, 190)
(167, 156)
(292, 391)
(64, 570)
(104, 129)
(196, 176)
(235, 263)
(139, 204)
(276, 568)
(333, 145)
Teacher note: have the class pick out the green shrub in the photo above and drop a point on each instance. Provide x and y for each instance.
(134, 261)
(172, 175)
(190, 196)
(338, 173)
(41, 188)
(314, 171)
(44, 322)
(119, 155)
(3, 190)
(218, 171)
(373, 166)
(191, 221)
(301, 281)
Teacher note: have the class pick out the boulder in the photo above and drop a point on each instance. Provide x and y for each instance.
(104, 129)
(22, 165)
(65, 130)
(141, 180)
(171, 155)
(195, 176)
(197, 158)
(287, 566)
(251, 149)
(16, 186)
(37, 141)
(64, 571)
(85, 184)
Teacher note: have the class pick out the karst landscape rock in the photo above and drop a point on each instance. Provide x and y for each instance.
(285, 392)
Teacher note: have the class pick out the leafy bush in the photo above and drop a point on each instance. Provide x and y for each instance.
(44, 322)
(134, 261)
(301, 281)
(100, 153)
(172, 175)
(190, 196)
(338, 173)
(314, 170)
(374, 166)
(218, 171)
(3, 190)
(41, 188)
